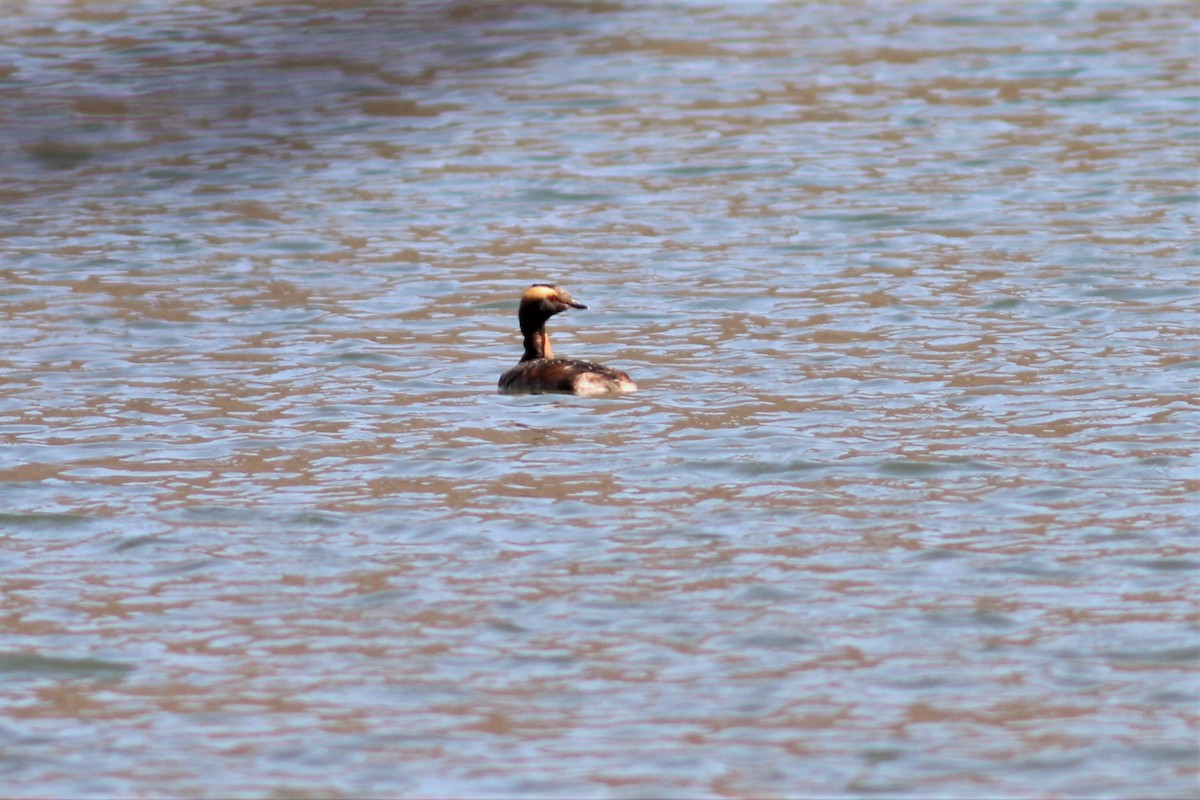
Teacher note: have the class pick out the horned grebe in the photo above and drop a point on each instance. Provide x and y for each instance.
(538, 370)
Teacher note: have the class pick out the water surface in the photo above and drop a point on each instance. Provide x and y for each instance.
(905, 506)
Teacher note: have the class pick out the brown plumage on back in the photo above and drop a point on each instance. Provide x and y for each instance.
(539, 371)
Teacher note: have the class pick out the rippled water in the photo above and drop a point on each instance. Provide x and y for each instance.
(906, 505)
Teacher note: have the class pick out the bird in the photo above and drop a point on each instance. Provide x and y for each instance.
(539, 371)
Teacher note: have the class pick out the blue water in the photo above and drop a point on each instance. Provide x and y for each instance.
(905, 505)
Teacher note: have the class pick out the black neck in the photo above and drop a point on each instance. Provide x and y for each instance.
(533, 318)
(537, 345)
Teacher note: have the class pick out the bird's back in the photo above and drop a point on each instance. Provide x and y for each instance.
(541, 375)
